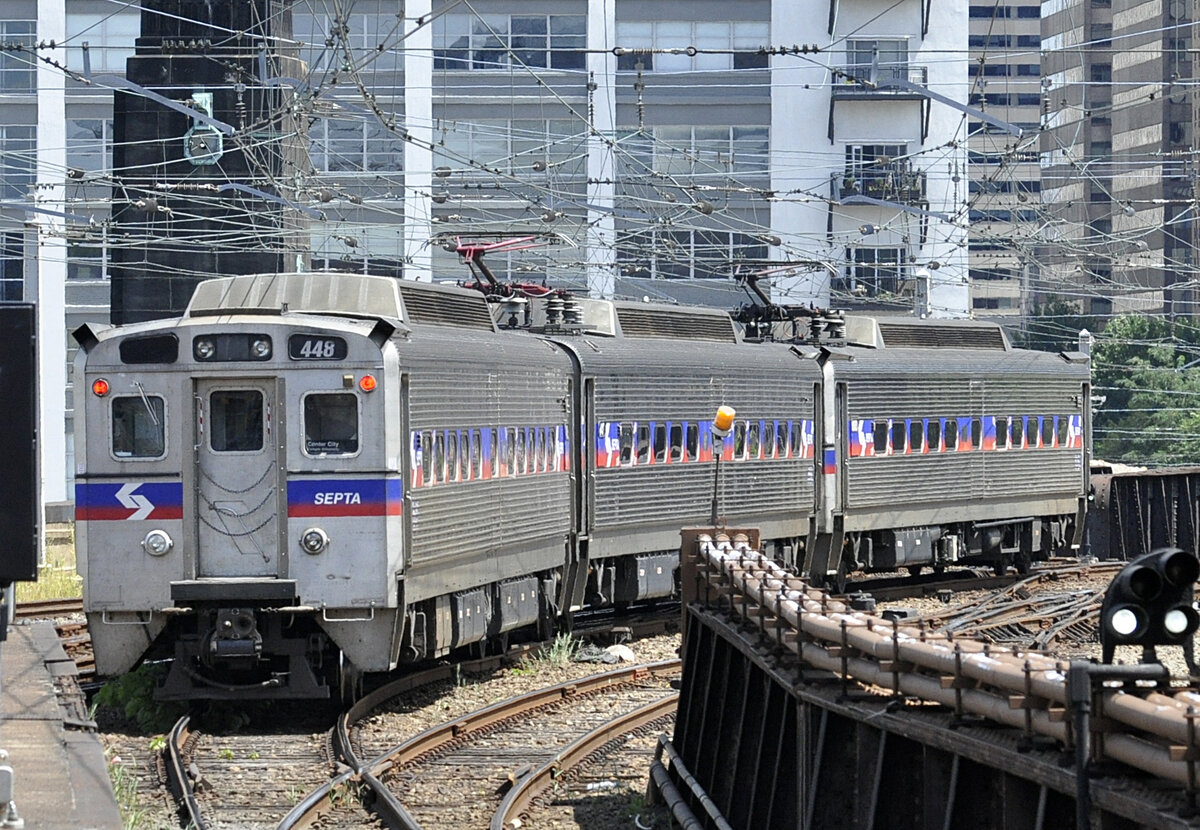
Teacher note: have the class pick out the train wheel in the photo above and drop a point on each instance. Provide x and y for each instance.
(1023, 562)
(915, 570)
(350, 680)
(1000, 566)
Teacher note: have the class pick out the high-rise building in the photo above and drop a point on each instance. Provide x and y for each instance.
(1003, 170)
(1119, 173)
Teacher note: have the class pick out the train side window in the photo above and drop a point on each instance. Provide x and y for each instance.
(675, 442)
(660, 441)
(1060, 430)
(881, 434)
(626, 443)
(330, 423)
(643, 443)
(427, 457)
(439, 456)
(768, 438)
(464, 456)
(138, 431)
(452, 456)
(916, 436)
(898, 436)
(753, 439)
(236, 420)
(510, 451)
(781, 439)
(935, 435)
(539, 455)
(1047, 430)
(739, 439)
(1017, 440)
(1001, 432)
(476, 456)
(976, 434)
(795, 450)
(950, 434)
(519, 458)
(693, 441)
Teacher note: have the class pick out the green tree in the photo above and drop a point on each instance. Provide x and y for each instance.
(1147, 369)
(1053, 326)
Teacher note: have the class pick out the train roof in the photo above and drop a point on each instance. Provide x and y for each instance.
(914, 333)
(422, 303)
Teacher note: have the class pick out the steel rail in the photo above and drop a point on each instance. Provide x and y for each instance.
(178, 780)
(445, 735)
(34, 609)
(387, 805)
(520, 799)
(960, 673)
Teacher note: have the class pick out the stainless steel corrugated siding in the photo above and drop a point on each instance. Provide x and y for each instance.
(759, 380)
(679, 495)
(464, 379)
(911, 383)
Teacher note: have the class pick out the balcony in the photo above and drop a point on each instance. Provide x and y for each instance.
(854, 80)
(893, 182)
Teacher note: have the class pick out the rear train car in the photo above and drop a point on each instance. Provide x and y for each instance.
(946, 445)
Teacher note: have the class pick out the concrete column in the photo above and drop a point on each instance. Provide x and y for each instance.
(47, 280)
(799, 118)
(600, 243)
(418, 157)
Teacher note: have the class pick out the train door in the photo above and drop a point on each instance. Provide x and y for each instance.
(237, 487)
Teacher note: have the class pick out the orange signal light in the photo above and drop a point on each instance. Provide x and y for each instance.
(100, 387)
(367, 383)
(724, 420)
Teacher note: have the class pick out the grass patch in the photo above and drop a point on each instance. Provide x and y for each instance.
(134, 816)
(57, 578)
(560, 652)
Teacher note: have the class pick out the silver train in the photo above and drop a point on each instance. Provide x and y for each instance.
(310, 476)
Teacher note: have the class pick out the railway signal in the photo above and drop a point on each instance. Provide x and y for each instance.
(1151, 603)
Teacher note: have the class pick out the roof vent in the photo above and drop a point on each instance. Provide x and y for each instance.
(670, 323)
(942, 335)
(445, 305)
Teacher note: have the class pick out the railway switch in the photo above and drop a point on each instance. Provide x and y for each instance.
(1151, 602)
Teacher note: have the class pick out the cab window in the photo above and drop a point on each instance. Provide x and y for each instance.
(138, 427)
(330, 424)
(237, 420)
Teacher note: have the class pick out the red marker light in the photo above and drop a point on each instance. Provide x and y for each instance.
(100, 387)
(367, 383)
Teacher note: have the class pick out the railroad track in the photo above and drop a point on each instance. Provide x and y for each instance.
(486, 768)
(38, 609)
(294, 776)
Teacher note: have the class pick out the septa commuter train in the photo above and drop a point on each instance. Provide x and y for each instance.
(310, 476)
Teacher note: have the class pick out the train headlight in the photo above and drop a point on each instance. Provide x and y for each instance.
(157, 542)
(314, 540)
(261, 347)
(99, 387)
(204, 349)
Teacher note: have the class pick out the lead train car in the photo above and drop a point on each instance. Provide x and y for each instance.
(309, 476)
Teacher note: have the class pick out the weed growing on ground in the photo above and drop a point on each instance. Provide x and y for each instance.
(560, 652)
(56, 578)
(125, 788)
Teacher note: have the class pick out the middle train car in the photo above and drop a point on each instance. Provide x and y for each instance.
(313, 466)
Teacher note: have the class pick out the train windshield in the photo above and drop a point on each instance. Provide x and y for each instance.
(138, 427)
(330, 424)
(237, 420)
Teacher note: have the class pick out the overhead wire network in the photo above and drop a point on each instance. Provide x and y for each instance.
(498, 192)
